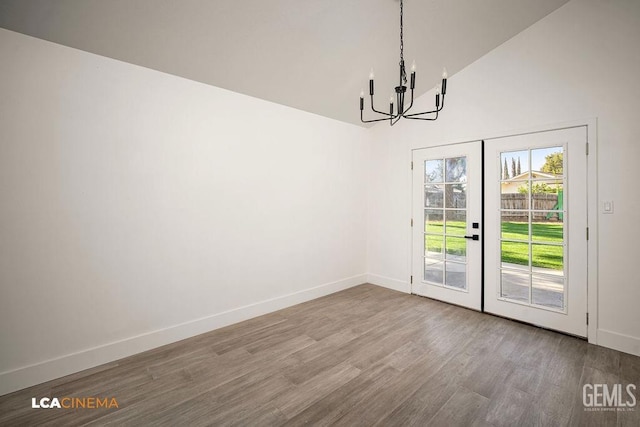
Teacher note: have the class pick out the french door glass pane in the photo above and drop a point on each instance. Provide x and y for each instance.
(433, 196)
(456, 168)
(515, 225)
(456, 222)
(433, 171)
(544, 199)
(514, 164)
(515, 285)
(433, 271)
(433, 246)
(514, 195)
(547, 257)
(456, 196)
(456, 248)
(515, 255)
(547, 231)
(433, 221)
(456, 275)
(548, 160)
(548, 291)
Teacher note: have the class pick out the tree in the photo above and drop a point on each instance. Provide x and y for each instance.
(553, 164)
(513, 168)
(519, 170)
(434, 174)
(506, 170)
(537, 188)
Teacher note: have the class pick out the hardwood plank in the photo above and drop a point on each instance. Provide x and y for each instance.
(508, 405)
(363, 356)
(489, 375)
(628, 417)
(535, 416)
(599, 416)
(300, 397)
(464, 408)
(630, 368)
(404, 356)
(327, 410)
(393, 394)
(556, 402)
(603, 359)
(561, 370)
(423, 404)
(527, 379)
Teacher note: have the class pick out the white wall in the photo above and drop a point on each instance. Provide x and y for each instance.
(138, 208)
(582, 61)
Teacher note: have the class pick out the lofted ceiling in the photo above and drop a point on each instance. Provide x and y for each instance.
(314, 55)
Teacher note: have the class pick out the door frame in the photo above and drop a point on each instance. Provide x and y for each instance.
(592, 207)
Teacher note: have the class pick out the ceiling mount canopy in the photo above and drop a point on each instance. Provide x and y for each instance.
(394, 116)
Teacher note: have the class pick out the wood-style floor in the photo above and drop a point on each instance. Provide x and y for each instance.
(365, 356)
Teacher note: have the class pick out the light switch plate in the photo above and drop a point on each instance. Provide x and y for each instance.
(607, 207)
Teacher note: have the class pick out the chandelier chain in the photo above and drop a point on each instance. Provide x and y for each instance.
(403, 73)
(401, 34)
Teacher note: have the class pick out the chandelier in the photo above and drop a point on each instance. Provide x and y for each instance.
(400, 90)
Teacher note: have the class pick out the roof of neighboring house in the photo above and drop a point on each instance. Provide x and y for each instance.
(536, 174)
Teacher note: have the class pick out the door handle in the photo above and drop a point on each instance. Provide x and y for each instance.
(473, 237)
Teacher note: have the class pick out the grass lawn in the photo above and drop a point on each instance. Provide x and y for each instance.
(544, 256)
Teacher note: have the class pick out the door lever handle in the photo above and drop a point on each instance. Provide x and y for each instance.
(473, 237)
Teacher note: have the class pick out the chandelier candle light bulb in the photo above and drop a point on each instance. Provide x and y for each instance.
(401, 89)
(444, 80)
(371, 82)
(413, 75)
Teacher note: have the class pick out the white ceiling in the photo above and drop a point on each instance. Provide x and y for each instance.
(314, 55)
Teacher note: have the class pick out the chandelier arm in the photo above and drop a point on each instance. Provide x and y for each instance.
(370, 121)
(423, 118)
(374, 120)
(379, 112)
(421, 114)
(410, 105)
(437, 110)
(391, 122)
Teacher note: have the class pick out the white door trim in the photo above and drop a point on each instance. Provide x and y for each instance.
(591, 124)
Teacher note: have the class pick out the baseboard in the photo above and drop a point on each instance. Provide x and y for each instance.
(620, 342)
(387, 282)
(38, 373)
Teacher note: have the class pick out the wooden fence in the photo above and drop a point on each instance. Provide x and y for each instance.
(517, 205)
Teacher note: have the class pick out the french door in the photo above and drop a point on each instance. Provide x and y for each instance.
(536, 229)
(447, 202)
